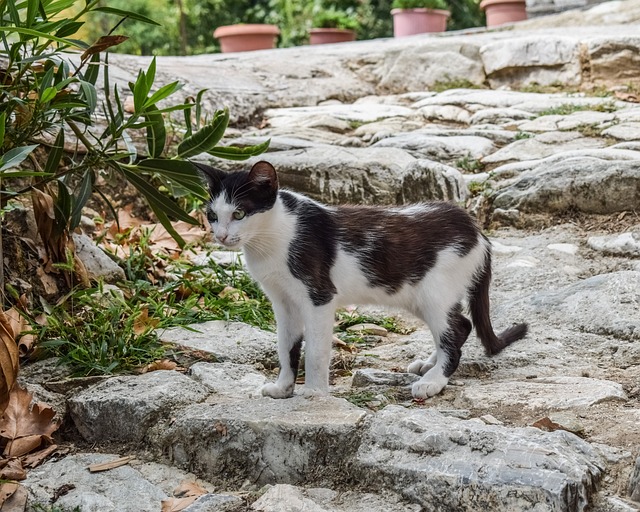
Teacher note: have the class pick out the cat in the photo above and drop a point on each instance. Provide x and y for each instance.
(310, 258)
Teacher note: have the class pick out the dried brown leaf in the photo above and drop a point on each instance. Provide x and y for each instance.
(189, 488)
(143, 322)
(102, 44)
(7, 489)
(160, 364)
(105, 466)
(177, 504)
(9, 359)
(547, 425)
(35, 459)
(25, 427)
(17, 501)
(13, 470)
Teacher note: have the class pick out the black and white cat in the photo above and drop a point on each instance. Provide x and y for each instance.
(310, 259)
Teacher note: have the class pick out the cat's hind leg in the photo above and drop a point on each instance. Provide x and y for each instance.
(449, 336)
(317, 356)
(290, 329)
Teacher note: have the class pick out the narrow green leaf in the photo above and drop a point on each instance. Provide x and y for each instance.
(173, 108)
(199, 107)
(239, 153)
(93, 69)
(126, 14)
(8, 174)
(48, 94)
(32, 12)
(187, 121)
(156, 199)
(3, 120)
(162, 93)
(156, 132)
(15, 156)
(84, 193)
(62, 207)
(37, 33)
(69, 28)
(56, 154)
(47, 78)
(140, 92)
(182, 172)
(89, 95)
(150, 75)
(206, 138)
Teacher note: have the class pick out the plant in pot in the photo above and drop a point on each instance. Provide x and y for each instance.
(500, 12)
(245, 37)
(419, 16)
(332, 25)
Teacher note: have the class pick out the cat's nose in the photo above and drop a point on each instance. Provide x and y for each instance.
(223, 238)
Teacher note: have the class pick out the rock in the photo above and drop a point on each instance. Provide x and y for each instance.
(564, 248)
(498, 248)
(425, 180)
(491, 420)
(625, 244)
(616, 297)
(634, 483)
(623, 131)
(365, 377)
(553, 393)
(584, 184)
(532, 59)
(541, 146)
(263, 440)
(122, 489)
(422, 455)
(217, 503)
(373, 329)
(613, 58)
(317, 115)
(232, 342)
(99, 266)
(499, 116)
(426, 62)
(123, 408)
(438, 148)
(288, 498)
(228, 379)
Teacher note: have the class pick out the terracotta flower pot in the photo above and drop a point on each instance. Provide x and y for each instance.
(331, 35)
(246, 37)
(504, 11)
(407, 22)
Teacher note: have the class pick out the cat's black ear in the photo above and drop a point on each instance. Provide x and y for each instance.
(212, 176)
(264, 175)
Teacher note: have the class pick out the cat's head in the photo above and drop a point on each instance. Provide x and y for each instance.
(236, 201)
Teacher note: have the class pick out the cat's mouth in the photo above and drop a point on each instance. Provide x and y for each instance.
(229, 243)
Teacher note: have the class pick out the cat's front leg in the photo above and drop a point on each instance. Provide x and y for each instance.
(319, 336)
(290, 332)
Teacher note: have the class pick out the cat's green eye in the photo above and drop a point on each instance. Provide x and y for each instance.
(239, 214)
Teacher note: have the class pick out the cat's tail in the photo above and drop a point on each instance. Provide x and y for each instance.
(479, 307)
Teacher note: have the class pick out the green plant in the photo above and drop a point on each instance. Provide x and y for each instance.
(334, 18)
(523, 135)
(455, 83)
(46, 94)
(417, 4)
(569, 108)
(470, 165)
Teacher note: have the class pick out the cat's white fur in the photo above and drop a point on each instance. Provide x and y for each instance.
(266, 254)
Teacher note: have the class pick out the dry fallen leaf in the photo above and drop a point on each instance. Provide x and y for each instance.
(13, 470)
(35, 459)
(25, 427)
(9, 359)
(105, 466)
(185, 494)
(160, 364)
(547, 425)
(7, 489)
(143, 323)
(17, 502)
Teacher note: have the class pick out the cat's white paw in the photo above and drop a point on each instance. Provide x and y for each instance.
(427, 387)
(312, 392)
(276, 391)
(420, 367)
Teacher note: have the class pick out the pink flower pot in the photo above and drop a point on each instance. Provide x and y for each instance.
(504, 11)
(331, 35)
(246, 37)
(407, 22)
